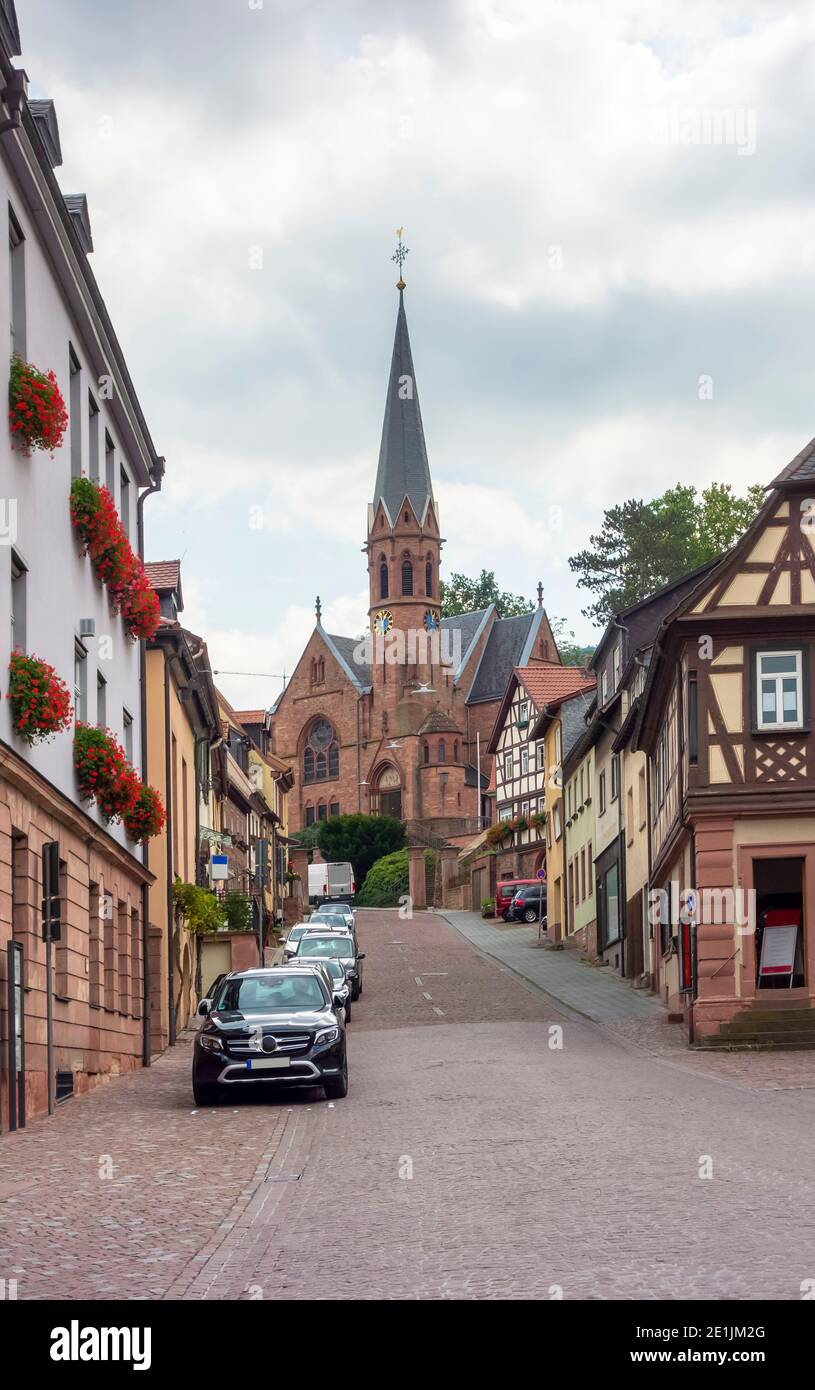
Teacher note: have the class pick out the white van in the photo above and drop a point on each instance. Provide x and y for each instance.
(330, 882)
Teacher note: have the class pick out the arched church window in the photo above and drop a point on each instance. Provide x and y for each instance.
(309, 814)
(407, 516)
(442, 751)
(428, 579)
(383, 579)
(407, 577)
(321, 755)
(426, 751)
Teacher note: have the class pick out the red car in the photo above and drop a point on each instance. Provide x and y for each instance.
(505, 891)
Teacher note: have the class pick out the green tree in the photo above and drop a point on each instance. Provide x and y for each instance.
(571, 652)
(643, 545)
(361, 839)
(238, 912)
(462, 595)
(197, 908)
(387, 880)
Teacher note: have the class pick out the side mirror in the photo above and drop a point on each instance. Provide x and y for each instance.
(338, 998)
(203, 1008)
(360, 955)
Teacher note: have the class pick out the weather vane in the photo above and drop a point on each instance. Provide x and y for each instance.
(399, 256)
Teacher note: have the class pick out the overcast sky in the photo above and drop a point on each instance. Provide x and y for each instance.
(605, 204)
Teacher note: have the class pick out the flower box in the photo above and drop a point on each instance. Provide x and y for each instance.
(40, 699)
(146, 816)
(115, 563)
(105, 776)
(37, 415)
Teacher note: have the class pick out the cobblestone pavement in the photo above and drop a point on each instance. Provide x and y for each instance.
(473, 1158)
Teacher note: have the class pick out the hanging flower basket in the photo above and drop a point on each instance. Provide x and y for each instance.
(115, 563)
(146, 816)
(37, 415)
(40, 699)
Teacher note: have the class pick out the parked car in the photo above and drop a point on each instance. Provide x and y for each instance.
(270, 1027)
(290, 944)
(214, 987)
(335, 975)
(528, 902)
(345, 909)
(341, 946)
(334, 921)
(505, 891)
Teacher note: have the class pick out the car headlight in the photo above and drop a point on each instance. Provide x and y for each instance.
(210, 1043)
(326, 1035)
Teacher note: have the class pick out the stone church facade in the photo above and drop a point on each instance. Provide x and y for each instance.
(390, 724)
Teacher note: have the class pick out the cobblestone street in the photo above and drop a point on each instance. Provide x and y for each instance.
(471, 1159)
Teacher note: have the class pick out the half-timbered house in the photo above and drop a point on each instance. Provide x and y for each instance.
(520, 767)
(725, 721)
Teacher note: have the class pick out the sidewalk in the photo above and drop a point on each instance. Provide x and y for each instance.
(593, 991)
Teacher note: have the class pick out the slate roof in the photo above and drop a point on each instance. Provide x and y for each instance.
(345, 647)
(467, 624)
(403, 470)
(573, 721)
(505, 649)
(801, 470)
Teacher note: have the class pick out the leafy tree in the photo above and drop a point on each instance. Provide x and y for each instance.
(643, 545)
(571, 652)
(239, 912)
(387, 880)
(307, 838)
(361, 839)
(198, 908)
(463, 595)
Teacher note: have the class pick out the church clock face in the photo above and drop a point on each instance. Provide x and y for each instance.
(383, 622)
(431, 621)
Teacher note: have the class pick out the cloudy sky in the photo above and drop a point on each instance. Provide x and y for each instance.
(604, 204)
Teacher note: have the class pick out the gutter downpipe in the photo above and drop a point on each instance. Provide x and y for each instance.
(155, 486)
(168, 804)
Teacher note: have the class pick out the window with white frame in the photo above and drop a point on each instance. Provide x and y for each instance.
(524, 760)
(505, 813)
(127, 730)
(508, 767)
(556, 825)
(615, 776)
(17, 316)
(615, 668)
(780, 690)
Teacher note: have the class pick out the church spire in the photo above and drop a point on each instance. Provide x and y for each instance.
(403, 469)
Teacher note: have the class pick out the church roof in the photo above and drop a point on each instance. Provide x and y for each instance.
(508, 645)
(403, 469)
(438, 722)
(344, 648)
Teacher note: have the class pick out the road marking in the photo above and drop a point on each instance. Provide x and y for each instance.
(427, 996)
(418, 980)
(438, 1011)
(428, 973)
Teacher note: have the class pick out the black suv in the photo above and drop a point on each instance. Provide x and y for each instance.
(527, 903)
(272, 1027)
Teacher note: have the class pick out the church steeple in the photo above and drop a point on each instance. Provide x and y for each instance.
(403, 469)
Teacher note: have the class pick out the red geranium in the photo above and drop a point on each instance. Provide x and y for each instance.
(116, 564)
(146, 816)
(37, 414)
(40, 699)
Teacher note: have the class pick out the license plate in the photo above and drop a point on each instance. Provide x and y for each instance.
(267, 1063)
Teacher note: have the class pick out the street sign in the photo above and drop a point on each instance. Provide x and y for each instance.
(218, 867)
(542, 874)
(50, 891)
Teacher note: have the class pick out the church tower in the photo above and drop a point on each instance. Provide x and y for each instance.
(403, 544)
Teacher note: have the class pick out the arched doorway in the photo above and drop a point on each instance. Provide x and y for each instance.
(388, 793)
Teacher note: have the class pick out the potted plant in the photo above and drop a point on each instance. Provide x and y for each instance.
(40, 699)
(37, 415)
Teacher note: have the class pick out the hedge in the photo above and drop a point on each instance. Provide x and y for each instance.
(387, 879)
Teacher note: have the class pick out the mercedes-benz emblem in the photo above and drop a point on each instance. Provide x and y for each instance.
(269, 1044)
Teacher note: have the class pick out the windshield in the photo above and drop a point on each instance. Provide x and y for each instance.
(265, 993)
(297, 932)
(332, 965)
(327, 919)
(340, 947)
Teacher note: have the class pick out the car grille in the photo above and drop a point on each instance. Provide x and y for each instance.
(289, 1044)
